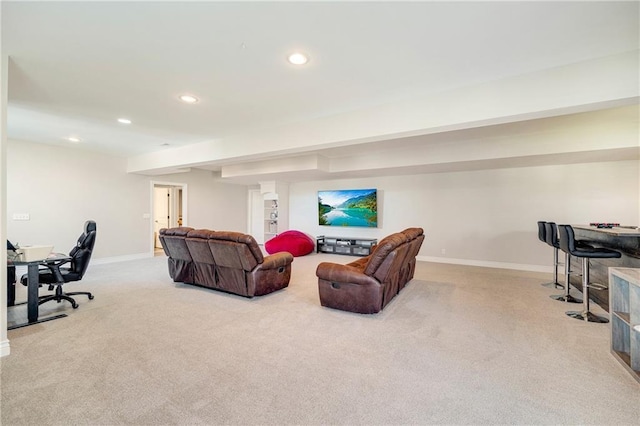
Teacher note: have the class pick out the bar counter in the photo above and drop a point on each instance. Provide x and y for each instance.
(624, 239)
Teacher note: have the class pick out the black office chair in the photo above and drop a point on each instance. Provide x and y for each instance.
(55, 275)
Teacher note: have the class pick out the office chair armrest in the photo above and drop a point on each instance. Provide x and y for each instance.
(55, 261)
(54, 264)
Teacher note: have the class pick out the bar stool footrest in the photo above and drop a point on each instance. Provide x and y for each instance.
(597, 286)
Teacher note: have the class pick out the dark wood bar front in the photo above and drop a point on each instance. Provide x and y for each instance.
(626, 240)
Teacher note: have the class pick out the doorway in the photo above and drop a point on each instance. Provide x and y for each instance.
(168, 202)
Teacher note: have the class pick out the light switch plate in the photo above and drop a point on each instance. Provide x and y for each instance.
(21, 216)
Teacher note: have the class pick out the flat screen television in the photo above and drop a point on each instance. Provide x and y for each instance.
(348, 207)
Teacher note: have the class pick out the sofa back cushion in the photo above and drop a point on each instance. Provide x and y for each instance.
(415, 244)
(383, 250)
(413, 233)
(161, 233)
(176, 246)
(198, 244)
(235, 250)
(415, 237)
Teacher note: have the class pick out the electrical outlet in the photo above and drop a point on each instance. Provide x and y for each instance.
(21, 216)
(443, 251)
(146, 215)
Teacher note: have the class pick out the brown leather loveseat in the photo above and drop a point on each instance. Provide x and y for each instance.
(226, 261)
(368, 284)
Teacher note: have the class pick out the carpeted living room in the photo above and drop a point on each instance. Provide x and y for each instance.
(458, 345)
(319, 213)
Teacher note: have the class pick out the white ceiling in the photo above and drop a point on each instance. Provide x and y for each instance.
(75, 67)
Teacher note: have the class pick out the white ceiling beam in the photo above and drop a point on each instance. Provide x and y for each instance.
(578, 87)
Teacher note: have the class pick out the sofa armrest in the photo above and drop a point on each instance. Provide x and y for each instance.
(276, 260)
(335, 272)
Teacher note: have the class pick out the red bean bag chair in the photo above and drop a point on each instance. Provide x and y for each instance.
(295, 242)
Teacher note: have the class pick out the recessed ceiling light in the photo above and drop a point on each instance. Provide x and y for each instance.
(190, 99)
(298, 58)
(74, 139)
(124, 121)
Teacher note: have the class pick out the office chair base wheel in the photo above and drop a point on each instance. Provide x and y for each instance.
(90, 297)
(565, 298)
(588, 316)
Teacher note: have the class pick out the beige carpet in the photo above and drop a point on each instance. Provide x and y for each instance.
(459, 345)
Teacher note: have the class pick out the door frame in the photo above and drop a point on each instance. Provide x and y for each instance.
(153, 184)
(253, 211)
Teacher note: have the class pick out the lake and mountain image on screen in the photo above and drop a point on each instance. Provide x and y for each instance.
(348, 207)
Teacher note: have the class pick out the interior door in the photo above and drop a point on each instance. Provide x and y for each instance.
(161, 211)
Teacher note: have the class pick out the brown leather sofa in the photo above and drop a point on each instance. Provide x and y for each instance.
(226, 261)
(368, 284)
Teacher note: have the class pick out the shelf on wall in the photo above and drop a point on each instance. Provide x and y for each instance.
(624, 306)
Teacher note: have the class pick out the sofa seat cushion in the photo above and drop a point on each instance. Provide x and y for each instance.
(294, 242)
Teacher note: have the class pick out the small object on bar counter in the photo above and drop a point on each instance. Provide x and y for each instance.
(604, 225)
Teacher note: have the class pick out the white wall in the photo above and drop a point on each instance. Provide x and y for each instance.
(61, 187)
(212, 204)
(480, 216)
(485, 217)
(4, 67)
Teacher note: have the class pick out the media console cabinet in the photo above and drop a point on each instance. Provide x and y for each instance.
(345, 245)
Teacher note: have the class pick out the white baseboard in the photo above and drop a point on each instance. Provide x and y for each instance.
(5, 349)
(115, 259)
(487, 264)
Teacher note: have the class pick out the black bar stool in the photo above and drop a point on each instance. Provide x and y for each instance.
(568, 245)
(566, 296)
(548, 233)
(542, 236)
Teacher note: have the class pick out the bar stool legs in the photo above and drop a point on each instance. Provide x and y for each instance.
(586, 314)
(548, 233)
(566, 297)
(556, 263)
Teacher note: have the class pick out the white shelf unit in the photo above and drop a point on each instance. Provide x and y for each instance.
(270, 219)
(624, 307)
(276, 208)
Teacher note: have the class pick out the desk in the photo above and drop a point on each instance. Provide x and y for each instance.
(32, 291)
